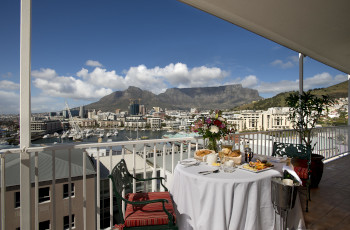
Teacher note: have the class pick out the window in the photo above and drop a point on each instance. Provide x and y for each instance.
(66, 222)
(44, 225)
(44, 194)
(65, 190)
(17, 199)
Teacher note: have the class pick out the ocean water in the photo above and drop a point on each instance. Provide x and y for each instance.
(123, 135)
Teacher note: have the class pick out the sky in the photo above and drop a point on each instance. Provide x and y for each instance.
(83, 50)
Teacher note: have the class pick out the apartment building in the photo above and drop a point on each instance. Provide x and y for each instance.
(155, 123)
(45, 126)
(273, 119)
(52, 197)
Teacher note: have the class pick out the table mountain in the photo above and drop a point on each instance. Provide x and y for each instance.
(221, 97)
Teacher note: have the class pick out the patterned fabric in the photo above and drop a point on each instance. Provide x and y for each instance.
(301, 172)
(149, 214)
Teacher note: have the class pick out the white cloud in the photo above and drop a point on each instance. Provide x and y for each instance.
(68, 87)
(289, 63)
(100, 82)
(9, 102)
(155, 79)
(317, 81)
(8, 85)
(44, 73)
(93, 63)
(249, 81)
(281, 64)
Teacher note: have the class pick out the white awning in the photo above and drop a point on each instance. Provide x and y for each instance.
(317, 28)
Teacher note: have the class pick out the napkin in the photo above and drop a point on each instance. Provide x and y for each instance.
(292, 172)
(188, 162)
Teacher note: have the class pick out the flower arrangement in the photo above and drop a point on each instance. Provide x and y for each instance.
(212, 128)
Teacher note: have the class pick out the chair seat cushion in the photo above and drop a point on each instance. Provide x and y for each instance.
(149, 214)
(301, 172)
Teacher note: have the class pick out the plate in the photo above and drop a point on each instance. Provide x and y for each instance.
(254, 171)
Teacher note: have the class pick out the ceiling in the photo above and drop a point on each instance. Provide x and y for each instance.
(319, 29)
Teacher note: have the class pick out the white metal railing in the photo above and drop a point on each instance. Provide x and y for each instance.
(330, 142)
(36, 151)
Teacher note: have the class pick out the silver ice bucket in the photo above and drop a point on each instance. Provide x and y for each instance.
(283, 196)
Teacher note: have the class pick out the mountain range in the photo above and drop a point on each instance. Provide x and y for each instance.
(221, 97)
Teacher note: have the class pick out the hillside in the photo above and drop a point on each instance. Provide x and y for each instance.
(221, 97)
(335, 91)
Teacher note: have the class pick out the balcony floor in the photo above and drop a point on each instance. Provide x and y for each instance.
(330, 202)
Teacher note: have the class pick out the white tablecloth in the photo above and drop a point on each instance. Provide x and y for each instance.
(238, 200)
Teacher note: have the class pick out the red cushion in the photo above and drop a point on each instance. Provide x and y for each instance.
(149, 214)
(301, 172)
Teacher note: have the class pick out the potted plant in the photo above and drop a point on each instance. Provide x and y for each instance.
(305, 110)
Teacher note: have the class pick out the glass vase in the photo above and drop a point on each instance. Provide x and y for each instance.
(212, 144)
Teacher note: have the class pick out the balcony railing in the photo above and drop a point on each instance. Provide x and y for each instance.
(331, 142)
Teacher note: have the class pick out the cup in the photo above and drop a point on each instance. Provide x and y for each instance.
(228, 166)
(229, 163)
(288, 182)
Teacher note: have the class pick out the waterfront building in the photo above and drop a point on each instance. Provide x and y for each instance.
(45, 126)
(154, 122)
(135, 122)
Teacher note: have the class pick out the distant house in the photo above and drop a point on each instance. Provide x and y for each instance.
(46, 198)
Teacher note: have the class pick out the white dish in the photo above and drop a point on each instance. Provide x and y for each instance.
(254, 171)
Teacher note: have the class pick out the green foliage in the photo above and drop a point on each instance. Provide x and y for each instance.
(306, 109)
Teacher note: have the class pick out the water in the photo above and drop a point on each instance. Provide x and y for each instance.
(123, 135)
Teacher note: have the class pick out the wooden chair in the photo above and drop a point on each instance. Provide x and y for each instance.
(146, 210)
(299, 151)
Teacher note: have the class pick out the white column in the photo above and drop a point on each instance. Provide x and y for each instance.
(301, 80)
(25, 112)
(301, 73)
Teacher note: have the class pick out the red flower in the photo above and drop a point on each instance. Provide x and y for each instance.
(217, 123)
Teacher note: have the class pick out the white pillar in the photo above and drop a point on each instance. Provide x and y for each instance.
(301, 73)
(25, 112)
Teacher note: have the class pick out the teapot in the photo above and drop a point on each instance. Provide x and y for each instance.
(210, 158)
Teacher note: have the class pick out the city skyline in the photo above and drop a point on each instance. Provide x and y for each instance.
(84, 50)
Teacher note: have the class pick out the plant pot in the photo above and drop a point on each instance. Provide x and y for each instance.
(316, 168)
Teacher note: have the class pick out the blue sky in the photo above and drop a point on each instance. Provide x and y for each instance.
(84, 50)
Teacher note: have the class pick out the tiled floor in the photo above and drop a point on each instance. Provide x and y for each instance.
(330, 202)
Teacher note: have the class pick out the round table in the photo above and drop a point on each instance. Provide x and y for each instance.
(237, 200)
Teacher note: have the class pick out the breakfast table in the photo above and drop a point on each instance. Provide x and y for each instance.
(236, 200)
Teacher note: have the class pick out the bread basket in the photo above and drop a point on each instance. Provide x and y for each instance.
(200, 153)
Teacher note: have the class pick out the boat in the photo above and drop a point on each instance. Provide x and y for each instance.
(46, 136)
(115, 133)
(144, 137)
(108, 134)
(101, 135)
(56, 135)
